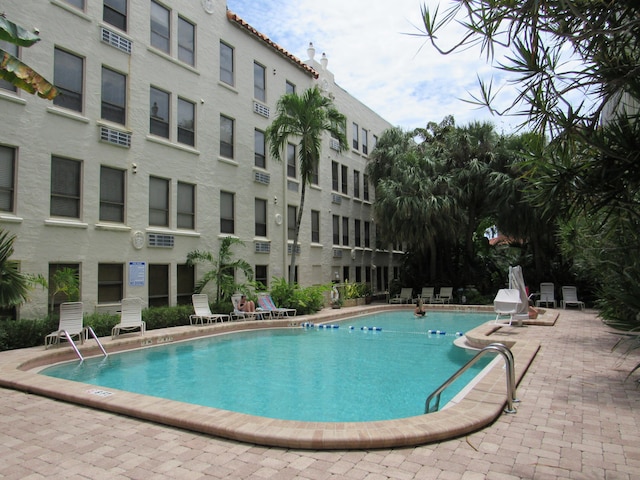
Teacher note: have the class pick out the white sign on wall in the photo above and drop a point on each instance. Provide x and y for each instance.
(137, 274)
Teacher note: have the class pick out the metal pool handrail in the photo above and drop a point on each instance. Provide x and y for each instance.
(511, 377)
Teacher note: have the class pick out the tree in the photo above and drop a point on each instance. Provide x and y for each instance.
(64, 281)
(304, 119)
(223, 268)
(16, 72)
(14, 285)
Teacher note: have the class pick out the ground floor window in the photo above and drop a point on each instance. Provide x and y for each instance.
(64, 284)
(110, 282)
(262, 274)
(186, 283)
(158, 285)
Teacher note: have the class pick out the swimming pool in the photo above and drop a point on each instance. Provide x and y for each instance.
(308, 374)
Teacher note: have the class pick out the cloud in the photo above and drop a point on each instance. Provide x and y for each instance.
(376, 56)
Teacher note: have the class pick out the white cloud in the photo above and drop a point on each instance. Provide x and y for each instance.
(375, 58)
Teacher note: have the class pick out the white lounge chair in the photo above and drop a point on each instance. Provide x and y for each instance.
(547, 295)
(130, 317)
(203, 311)
(512, 301)
(69, 326)
(266, 303)
(444, 296)
(405, 296)
(570, 297)
(427, 294)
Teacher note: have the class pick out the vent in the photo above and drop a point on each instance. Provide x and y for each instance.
(261, 109)
(292, 186)
(290, 249)
(337, 253)
(116, 41)
(263, 247)
(262, 177)
(335, 198)
(115, 137)
(334, 144)
(160, 240)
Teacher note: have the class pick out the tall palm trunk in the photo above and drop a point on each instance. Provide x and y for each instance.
(292, 267)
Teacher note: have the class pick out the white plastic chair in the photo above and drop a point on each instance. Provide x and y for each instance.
(570, 297)
(203, 310)
(547, 295)
(69, 326)
(130, 317)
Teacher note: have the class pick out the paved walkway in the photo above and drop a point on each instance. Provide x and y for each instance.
(578, 419)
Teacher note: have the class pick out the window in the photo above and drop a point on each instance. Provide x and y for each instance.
(289, 87)
(355, 136)
(375, 142)
(111, 195)
(226, 63)
(186, 209)
(226, 136)
(114, 12)
(345, 230)
(114, 87)
(358, 274)
(367, 234)
(61, 297)
(365, 187)
(13, 50)
(186, 41)
(76, 3)
(68, 78)
(160, 27)
(345, 179)
(356, 184)
(315, 176)
(65, 187)
(186, 285)
(227, 212)
(261, 217)
(292, 213)
(7, 178)
(315, 226)
(259, 82)
(159, 113)
(158, 285)
(336, 230)
(334, 176)
(110, 282)
(291, 160)
(261, 274)
(158, 202)
(186, 122)
(365, 141)
(260, 159)
(356, 229)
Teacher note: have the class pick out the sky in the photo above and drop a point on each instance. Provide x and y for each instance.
(375, 55)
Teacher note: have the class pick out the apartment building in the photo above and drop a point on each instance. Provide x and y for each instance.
(156, 148)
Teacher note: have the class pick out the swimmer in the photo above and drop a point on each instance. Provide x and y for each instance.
(420, 310)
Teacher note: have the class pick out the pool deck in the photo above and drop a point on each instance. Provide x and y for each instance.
(578, 419)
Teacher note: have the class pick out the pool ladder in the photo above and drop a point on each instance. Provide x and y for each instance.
(87, 330)
(511, 377)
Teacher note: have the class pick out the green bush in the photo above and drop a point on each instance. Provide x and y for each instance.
(25, 333)
(304, 300)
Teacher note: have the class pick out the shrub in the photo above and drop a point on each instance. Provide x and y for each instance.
(304, 300)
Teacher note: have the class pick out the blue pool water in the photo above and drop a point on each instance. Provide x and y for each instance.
(308, 374)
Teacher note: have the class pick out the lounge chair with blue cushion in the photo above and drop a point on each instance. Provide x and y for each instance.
(266, 303)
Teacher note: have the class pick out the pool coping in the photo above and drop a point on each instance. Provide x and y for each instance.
(480, 407)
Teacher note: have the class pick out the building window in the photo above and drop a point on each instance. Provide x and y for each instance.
(259, 82)
(346, 274)
(186, 41)
(356, 230)
(158, 285)
(358, 274)
(76, 3)
(226, 63)
(160, 27)
(13, 50)
(59, 296)
(186, 208)
(158, 202)
(355, 135)
(334, 176)
(114, 86)
(7, 178)
(260, 159)
(110, 282)
(111, 195)
(261, 217)
(68, 79)
(365, 141)
(315, 176)
(336, 230)
(185, 276)
(65, 187)
(345, 230)
(292, 213)
(261, 274)
(159, 113)
(356, 184)
(226, 137)
(367, 235)
(315, 226)
(289, 87)
(345, 179)
(375, 142)
(114, 12)
(291, 161)
(227, 212)
(186, 122)
(365, 187)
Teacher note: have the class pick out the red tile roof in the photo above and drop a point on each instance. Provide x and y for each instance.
(262, 37)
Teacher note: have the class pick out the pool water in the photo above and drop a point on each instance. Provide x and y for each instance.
(308, 374)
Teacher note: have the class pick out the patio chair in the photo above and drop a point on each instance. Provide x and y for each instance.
(444, 296)
(238, 314)
(130, 317)
(266, 303)
(508, 301)
(405, 296)
(69, 326)
(570, 298)
(427, 294)
(547, 295)
(202, 311)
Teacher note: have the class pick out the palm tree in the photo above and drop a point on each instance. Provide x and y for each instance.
(223, 268)
(305, 118)
(14, 286)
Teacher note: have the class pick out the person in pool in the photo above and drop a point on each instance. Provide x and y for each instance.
(421, 310)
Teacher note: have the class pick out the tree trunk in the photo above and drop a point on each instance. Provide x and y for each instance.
(292, 267)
